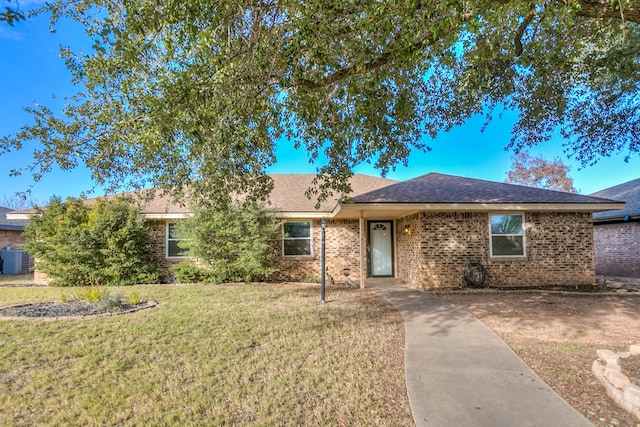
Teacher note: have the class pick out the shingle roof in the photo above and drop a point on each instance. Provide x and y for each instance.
(628, 192)
(436, 188)
(287, 196)
(10, 224)
(288, 193)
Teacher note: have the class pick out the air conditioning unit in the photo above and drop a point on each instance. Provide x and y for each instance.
(15, 261)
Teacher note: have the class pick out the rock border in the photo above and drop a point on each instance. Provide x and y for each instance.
(143, 305)
(607, 369)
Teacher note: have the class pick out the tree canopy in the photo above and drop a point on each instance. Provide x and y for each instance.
(200, 92)
(535, 171)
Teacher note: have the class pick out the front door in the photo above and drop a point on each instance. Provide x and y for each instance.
(380, 248)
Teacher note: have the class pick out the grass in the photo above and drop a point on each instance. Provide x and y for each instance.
(16, 279)
(208, 355)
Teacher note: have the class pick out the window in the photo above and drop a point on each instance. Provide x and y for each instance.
(507, 235)
(296, 238)
(173, 238)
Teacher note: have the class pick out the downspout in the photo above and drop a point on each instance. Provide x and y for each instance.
(362, 243)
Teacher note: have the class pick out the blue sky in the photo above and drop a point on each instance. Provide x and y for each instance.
(31, 71)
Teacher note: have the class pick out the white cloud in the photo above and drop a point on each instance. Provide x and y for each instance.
(9, 33)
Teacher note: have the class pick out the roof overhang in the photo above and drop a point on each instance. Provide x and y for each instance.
(12, 227)
(22, 215)
(181, 215)
(402, 209)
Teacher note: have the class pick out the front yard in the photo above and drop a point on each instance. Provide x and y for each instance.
(208, 355)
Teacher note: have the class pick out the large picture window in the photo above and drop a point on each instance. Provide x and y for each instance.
(296, 238)
(173, 238)
(507, 235)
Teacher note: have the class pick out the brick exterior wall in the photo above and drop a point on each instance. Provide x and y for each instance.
(11, 238)
(617, 249)
(409, 264)
(158, 236)
(436, 248)
(342, 249)
(559, 251)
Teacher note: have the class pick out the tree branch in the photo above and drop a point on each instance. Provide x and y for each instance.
(605, 9)
(517, 40)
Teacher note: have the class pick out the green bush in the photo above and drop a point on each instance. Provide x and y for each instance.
(187, 272)
(106, 243)
(232, 244)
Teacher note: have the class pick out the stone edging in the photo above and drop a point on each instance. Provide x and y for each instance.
(141, 306)
(618, 386)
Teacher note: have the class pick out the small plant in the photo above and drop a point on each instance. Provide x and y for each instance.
(93, 294)
(134, 298)
(109, 303)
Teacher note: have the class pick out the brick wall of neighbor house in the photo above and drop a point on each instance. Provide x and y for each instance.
(11, 238)
(341, 250)
(617, 249)
(408, 254)
(559, 249)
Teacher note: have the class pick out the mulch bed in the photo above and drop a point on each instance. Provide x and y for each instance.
(71, 309)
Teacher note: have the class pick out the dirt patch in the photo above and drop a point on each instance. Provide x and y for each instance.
(558, 334)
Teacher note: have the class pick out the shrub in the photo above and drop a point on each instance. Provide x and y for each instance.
(188, 272)
(232, 244)
(106, 243)
(134, 298)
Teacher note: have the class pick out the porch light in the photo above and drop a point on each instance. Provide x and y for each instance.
(407, 229)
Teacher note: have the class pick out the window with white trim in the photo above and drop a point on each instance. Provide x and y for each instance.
(507, 235)
(174, 250)
(296, 238)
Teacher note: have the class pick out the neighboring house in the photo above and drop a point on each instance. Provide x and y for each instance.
(10, 230)
(617, 233)
(423, 231)
(12, 259)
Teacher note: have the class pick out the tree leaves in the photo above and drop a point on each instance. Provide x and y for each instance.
(535, 171)
(192, 96)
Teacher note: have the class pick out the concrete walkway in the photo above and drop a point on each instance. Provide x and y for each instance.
(460, 373)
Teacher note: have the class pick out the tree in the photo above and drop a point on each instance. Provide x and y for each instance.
(18, 203)
(11, 15)
(535, 171)
(235, 244)
(195, 94)
(76, 244)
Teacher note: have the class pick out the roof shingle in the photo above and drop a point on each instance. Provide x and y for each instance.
(439, 188)
(628, 192)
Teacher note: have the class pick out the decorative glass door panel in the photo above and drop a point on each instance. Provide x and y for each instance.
(380, 248)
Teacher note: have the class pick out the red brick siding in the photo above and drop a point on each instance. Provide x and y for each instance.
(617, 249)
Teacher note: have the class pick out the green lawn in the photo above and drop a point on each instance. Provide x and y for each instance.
(208, 355)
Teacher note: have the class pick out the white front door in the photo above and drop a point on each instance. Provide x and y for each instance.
(380, 248)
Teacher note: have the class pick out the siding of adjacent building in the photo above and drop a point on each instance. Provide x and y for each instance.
(617, 249)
